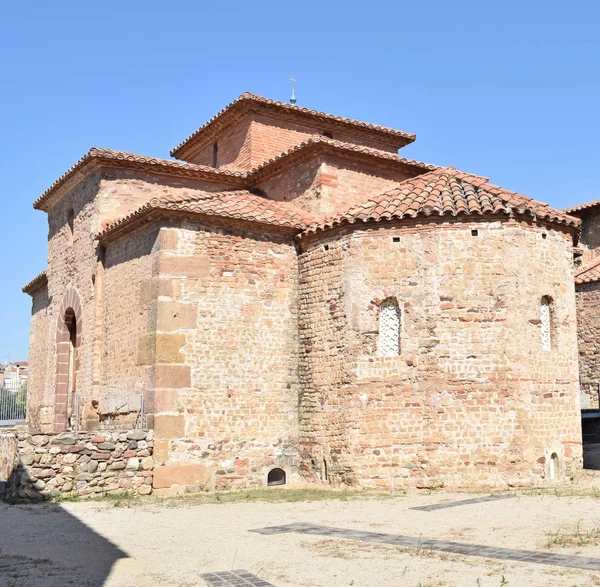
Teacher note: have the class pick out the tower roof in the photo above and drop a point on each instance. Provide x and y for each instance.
(248, 103)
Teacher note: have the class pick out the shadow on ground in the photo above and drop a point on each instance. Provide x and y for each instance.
(43, 545)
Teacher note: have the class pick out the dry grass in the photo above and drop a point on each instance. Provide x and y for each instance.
(576, 537)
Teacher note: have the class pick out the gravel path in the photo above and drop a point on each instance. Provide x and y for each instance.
(155, 543)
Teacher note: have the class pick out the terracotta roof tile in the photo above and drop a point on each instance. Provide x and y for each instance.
(580, 207)
(96, 158)
(589, 272)
(444, 191)
(238, 204)
(36, 283)
(334, 146)
(248, 99)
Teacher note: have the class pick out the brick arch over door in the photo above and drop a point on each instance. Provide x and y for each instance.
(69, 329)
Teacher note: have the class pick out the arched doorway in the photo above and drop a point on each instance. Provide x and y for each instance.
(68, 341)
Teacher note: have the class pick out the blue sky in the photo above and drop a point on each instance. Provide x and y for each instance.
(506, 89)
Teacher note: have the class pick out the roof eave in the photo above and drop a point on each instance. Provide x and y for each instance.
(38, 282)
(316, 146)
(96, 159)
(149, 213)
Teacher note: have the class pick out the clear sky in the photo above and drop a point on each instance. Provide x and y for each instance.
(505, 89)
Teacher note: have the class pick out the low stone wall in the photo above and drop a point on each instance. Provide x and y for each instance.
(85, 464)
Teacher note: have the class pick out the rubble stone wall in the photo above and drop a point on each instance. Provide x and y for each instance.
(78, 464)
(588, 334)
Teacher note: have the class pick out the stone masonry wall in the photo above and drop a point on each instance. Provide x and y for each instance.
(38, 358)
(71, 265)
(226, 357)
(327, 184)
(590, 234)
(129, 315)
(472, 398)
(588, 335)
(84, 464)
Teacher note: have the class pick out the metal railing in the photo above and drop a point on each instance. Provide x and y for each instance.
(13, 406)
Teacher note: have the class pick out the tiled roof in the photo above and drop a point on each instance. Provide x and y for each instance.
(35, 284)
(579, 207)
(589, 272)
(237, 204)
(442, 192)
(96, 158)
(99, 157)
(325, 144)
(228, 116)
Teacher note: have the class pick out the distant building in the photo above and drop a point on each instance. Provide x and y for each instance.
(13, 376)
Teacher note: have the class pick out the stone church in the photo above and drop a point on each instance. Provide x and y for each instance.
(295, 302)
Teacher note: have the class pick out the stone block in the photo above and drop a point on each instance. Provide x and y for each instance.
(161, 451)
(168, 348)
(169, 426)
(180, 475)
(175, 316)
(173, 376)
(165, 400)
(146, 349)
(184, 265)
(169, 239)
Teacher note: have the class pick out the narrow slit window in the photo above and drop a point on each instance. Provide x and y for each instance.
(215, 155)
(70, 225)
(546, 323)
(389, 328)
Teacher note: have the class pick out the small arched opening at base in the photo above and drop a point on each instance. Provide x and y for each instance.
(276, 477)
(553, 466)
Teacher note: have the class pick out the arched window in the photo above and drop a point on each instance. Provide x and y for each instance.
(546, 322)
(389, 328)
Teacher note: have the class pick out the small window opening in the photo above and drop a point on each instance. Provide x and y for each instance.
(395, 239)
(215, 155)
(544, 235)
(70, 224)
(326, 247)
(276, 477)
(328, 134)
(389, 328)
(546, 322)
(553, 465)
(474, 233)
(325, 473)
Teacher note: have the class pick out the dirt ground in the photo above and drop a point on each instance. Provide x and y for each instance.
(151, 542)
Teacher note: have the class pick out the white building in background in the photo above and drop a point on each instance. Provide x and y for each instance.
(13, 376)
